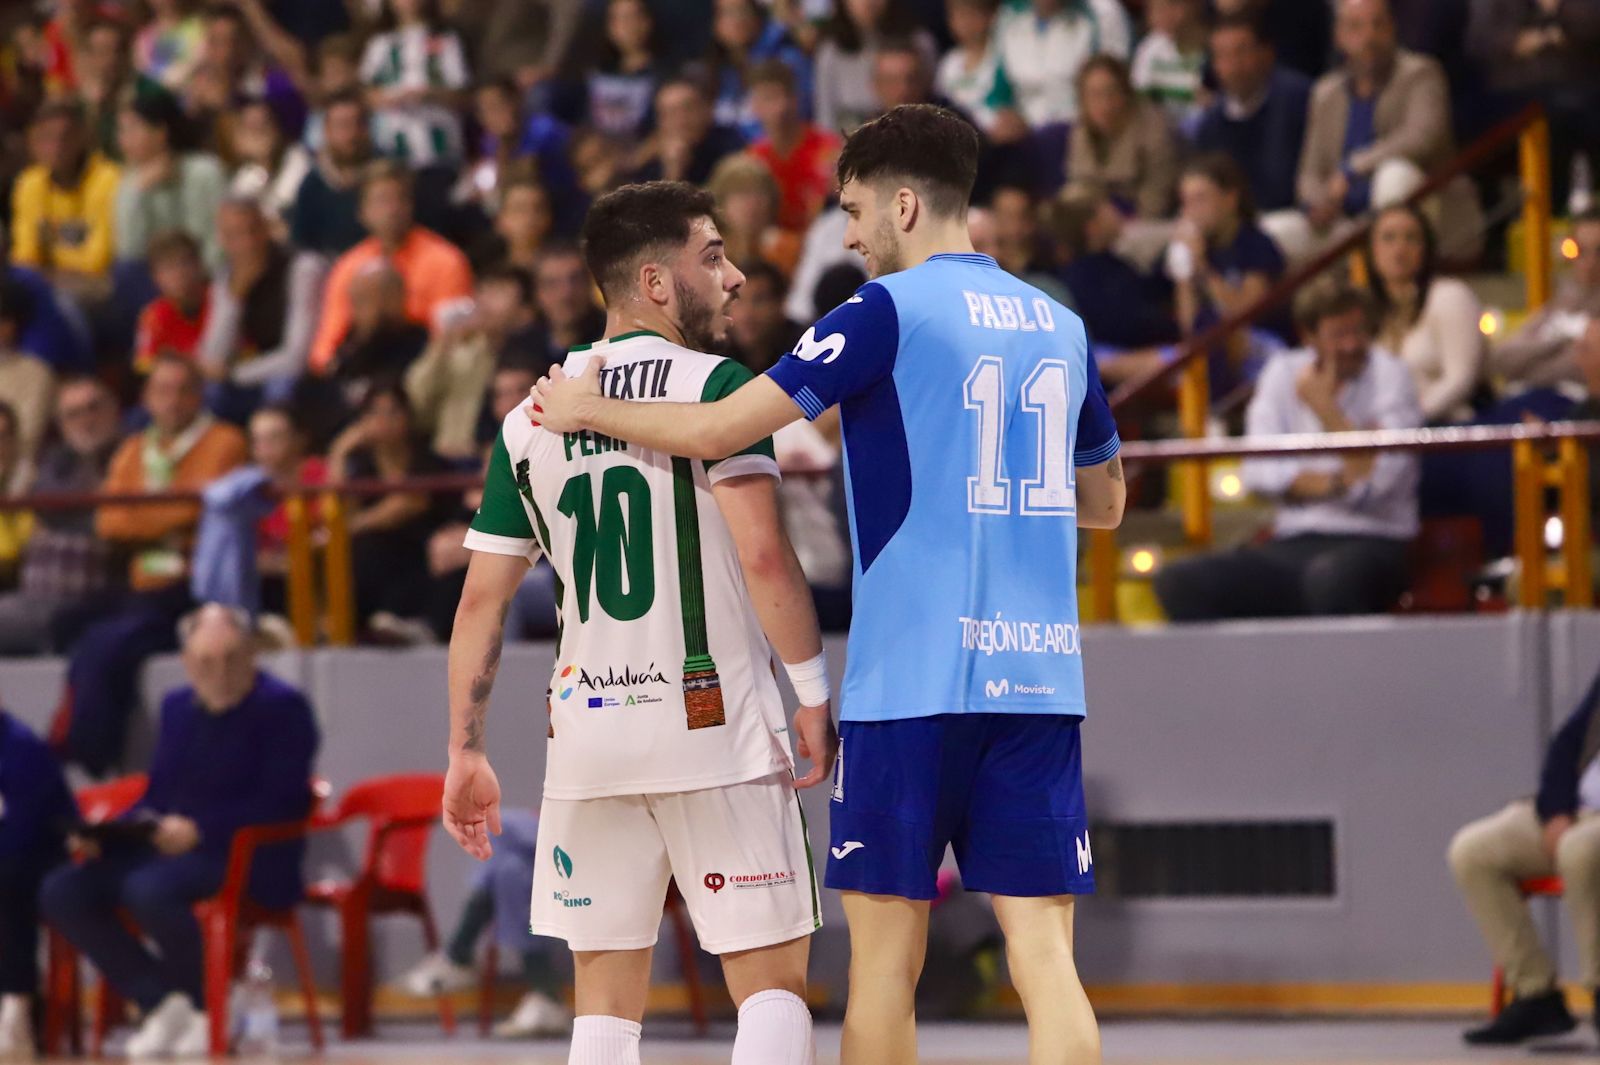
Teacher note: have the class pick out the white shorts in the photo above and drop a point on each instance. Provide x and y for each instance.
(739, 853)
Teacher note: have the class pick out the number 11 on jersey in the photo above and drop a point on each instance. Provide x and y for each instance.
(1044, 395)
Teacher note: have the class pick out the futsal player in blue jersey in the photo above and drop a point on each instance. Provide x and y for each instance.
(977, 441)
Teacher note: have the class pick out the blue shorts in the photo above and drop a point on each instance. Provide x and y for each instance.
(1005, 790)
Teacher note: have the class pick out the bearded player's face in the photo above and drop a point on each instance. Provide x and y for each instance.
(704, 286)
(871, 231)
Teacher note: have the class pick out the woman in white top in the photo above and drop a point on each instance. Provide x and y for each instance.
(267, 168)
(1430, 322)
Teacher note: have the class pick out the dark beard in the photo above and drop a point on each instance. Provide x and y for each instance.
(696, 320)
(888, 250)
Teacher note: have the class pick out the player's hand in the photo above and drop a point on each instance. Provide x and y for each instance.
(1554, 829)
(558, 399)
(817, 741)
(175, 835)
(472, 803)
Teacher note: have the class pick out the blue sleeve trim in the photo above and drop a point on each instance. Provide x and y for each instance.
(809, 403)
(1104, 453)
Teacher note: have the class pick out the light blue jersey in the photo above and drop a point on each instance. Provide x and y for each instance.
(968, 400)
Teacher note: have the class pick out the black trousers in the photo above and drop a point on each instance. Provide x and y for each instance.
(20, 877)
(1307, 575)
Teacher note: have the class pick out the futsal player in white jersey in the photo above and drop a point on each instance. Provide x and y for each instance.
(668, 752)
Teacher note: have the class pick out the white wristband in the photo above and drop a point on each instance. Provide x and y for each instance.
(810, 680)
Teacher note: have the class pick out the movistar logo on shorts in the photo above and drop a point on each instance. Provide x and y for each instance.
(563, 862)
(999, 635)
(1085, 855)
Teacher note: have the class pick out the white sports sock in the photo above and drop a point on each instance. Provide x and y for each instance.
(601, 1040)
(774, 1029)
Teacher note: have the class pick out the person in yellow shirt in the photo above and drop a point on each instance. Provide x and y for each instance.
(63, 205)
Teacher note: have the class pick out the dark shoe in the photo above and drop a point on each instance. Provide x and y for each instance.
(1525, 1018)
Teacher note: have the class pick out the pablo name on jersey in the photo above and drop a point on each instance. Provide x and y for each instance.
(1008, 313)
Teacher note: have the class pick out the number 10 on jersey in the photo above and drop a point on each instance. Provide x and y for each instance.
(1044, 395)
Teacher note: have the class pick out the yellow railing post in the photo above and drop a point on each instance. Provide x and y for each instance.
(1103, 576)
(302, 581)
(1194, 408)
(1533, 150)
(337, 580)
(1577, 536)
(1527, 469)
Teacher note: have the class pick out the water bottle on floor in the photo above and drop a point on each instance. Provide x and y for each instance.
(258, 1036)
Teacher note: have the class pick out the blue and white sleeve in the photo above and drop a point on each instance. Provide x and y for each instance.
(1097, 429)
(850, 349)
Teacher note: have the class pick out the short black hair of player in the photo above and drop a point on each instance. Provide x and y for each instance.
(929, 148)
(639, 223)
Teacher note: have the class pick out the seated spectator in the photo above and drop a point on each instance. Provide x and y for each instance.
(449, 384)
(845, 94)
(1259, 113)
(377, 350)
(1552, 834)
(1301, 31)
(183, 448)
(262, 314)
(1168, 63)
(515, 144)
(743, 35)
(16, 477)
(415, 71)
(433, 270)
(568, 313)
(235, 749)
(34, 806)
(747, 206)
(1122, 142)
(389, 534)
(336, 73)
(327, 209)
(1020, 246)
(901, 74)
(622, 85)
(969, 74)
(104, 79)
(25, 382)
(1341, 538)
(171, 324)
(268, 168)
(56, 332)
(63, 206)
(529, 42)
(1539, 354)
(1043, 45)
(1431, 322)
(800, 154)
(1377, 126)
(65, 566)
(523, 224)
(278, 447)
(686, 145)
(167, 48)
(162, 187)
(758, 332)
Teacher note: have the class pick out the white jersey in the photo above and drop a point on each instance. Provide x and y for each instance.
(663, 679)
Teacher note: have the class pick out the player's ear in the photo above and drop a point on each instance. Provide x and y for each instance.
(906, 208)
(654, 283)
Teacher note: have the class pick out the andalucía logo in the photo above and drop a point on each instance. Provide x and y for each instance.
(563, 864)
(627, 677)
(571, 678)
(566, 683)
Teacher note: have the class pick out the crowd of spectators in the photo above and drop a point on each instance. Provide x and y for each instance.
(346, 227)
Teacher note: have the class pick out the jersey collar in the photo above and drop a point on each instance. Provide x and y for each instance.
(635, 335)
(965, 257)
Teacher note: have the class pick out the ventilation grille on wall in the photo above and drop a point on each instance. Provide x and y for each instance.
(1215, 859)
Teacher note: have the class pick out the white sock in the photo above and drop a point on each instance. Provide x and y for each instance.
(774, 1029)
(600, 1040)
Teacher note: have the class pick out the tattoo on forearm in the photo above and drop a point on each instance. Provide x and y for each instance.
(1114, 468)
(481, 686)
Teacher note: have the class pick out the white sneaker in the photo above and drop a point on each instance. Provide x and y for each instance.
(437, 975)
(536, 1014)
(162, 1028)
(195, 1040)
(16, 1030)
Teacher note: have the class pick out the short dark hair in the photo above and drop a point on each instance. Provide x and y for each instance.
(928, 147)
(1330, 297)
(639, 222)
(773, 72)
(1068, 216)
(352, 97)
(511, 274)
(381, 170)
(171, 244)
(1246, 20)
(62, 108)
(761, 270)
(1223, 171)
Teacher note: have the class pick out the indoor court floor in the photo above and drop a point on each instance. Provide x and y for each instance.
(1365, 1042)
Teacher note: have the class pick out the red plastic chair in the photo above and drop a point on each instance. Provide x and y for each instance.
(1538, 887)
(402, 812)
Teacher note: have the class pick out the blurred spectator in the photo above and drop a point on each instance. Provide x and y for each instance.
(56, 331)
(268, 168)
(167, 48)
(742, 36)
(759, 334)
(235, 749)
(1431, 322)
(434, 271)
(686, 146)
(568, 313)
(800, 154)
(162, 187)
(528, 40)
(104, 78)
(1540, 354)
(183, 448)
(901, 74)
(1020, 246)
(389, 534)
(381, 344)
(969, 74)
(622, 85)
(25, 382)
(1342, 534)
(327, 209)
(1122, 141)
(514, 143)
(522, 225)
(1301, 31)
(242, 58)
(16, 477)
(278, 447)
(262, 314)
(1259, 113)
(845, 94)
(35, 806)
(337, 72)
(747, 206)
(1168, 64)
(1552, 834)
(1378, 125)
(1043, 45)
(448, 385)
(62, 40)
(597, 162)
(172, 323)
(63, 206)
(65, 566)
(415, 71)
